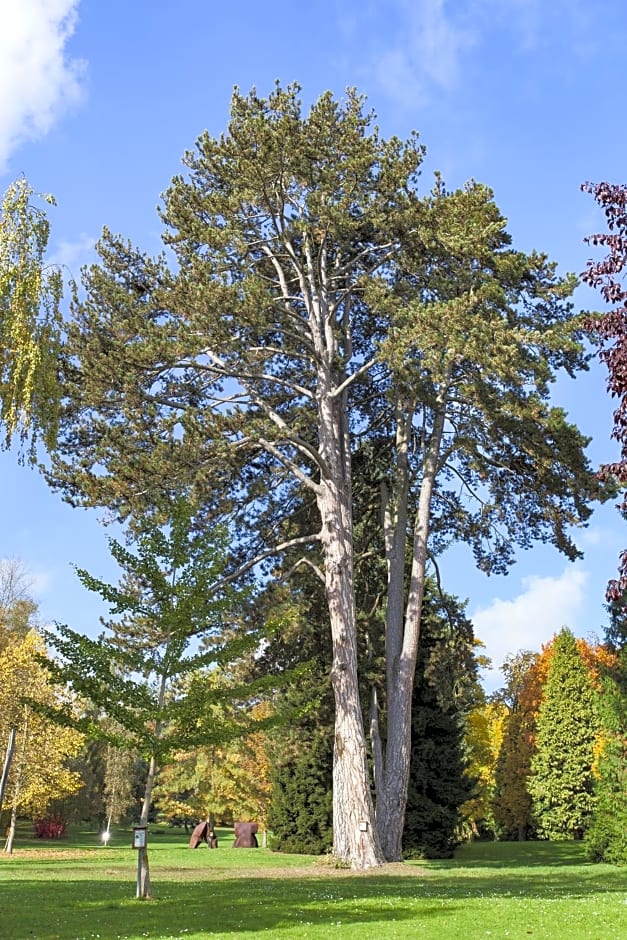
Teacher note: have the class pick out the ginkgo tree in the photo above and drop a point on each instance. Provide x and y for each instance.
(146, 675)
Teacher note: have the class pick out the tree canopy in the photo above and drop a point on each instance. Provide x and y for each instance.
(146, 679)
(319, 308)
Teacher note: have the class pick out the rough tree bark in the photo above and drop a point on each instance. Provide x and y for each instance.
(355, 835)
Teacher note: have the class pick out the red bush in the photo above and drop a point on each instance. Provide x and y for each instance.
(52, 827)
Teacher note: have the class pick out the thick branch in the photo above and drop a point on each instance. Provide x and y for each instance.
(290, 465)
(353, 378)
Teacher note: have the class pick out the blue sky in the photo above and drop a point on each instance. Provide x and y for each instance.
(98, 102)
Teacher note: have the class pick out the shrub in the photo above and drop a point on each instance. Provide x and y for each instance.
(51, 827)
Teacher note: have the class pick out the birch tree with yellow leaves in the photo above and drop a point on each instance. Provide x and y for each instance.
(36, 771)
(30, 320)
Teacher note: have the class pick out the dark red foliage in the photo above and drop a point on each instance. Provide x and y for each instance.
(52, 827)
(606, 275)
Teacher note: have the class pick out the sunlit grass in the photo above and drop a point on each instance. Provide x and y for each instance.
(80, 890)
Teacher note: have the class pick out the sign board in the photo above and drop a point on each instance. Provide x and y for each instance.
(139, 837)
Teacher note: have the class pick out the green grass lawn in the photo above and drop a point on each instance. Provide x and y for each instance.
(79, 890)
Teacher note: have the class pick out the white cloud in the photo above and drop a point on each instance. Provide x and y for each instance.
(37, 79)
(530, 619)
(72, 255)
(427, 53)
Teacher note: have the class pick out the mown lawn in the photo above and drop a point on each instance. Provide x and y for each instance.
(79, 890)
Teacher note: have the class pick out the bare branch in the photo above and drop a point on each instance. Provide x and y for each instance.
(353, 378)
(305, 561)
(303, 446)
(262, 556)
(290, 465)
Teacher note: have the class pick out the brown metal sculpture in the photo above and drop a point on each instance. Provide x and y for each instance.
(245, 837)
(204, 832)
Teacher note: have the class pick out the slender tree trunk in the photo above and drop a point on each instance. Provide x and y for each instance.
(8, 759)
(376, 745)
(402, 644)
(143, 870)
(8, 846)
(144, 890)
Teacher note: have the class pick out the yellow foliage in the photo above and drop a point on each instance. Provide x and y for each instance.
(232, 781)
(484, 736)
(29, 316)
(39, 772)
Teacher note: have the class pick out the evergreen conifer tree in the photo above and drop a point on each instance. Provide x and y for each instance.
(561, 781)
(300, 816)
(606, 838)
(445, 681)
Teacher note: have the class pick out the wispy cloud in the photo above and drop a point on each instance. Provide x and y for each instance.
(427, 52)
(530, 619)
(428, 43)
(38, 81)
(72, 255)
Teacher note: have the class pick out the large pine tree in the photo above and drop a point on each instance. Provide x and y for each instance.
(318, 302)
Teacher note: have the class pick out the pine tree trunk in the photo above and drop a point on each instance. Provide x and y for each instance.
(355, 836)
(402, 638)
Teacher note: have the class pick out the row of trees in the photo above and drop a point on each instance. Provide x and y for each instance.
(339, 374)
(545, 749)
(607, 838)
(537, 761)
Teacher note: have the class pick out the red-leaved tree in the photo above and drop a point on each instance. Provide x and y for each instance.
(607, 275)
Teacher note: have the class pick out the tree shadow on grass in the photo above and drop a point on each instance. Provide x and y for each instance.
(241, 906)
(60, 911)
(515, 854)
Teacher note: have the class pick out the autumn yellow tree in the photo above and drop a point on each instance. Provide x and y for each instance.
(484, 735)
(37, 773)
(227, 781)
(30, 320)
(525, 673)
